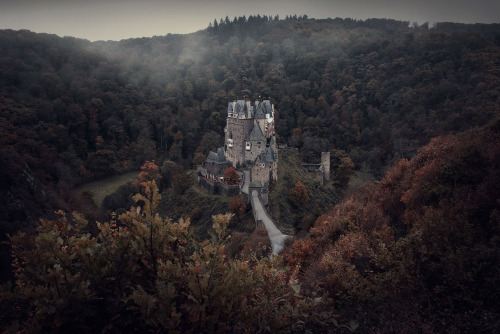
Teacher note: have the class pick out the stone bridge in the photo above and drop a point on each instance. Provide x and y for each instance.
(260, 215)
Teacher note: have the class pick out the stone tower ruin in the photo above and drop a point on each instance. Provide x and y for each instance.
(325, 162)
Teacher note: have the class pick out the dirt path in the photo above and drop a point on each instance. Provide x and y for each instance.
(104, 187)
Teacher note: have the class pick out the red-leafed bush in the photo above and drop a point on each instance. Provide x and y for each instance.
(149, 171)
(422, 242)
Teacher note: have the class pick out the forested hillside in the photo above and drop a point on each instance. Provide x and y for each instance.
(73, 111)
(417, 251)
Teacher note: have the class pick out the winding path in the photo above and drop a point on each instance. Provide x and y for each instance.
(246, 181)
(277, 238)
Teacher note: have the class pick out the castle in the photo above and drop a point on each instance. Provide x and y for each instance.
(249, 145)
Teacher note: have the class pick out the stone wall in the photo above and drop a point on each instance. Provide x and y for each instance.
(218, 188)
(208, 185)
(274, 170)
(270, 128)
(325, 162)
(261, 174)
(321, 171)
(240, 129)
(262, 125)
(215, 169)
(255, 150)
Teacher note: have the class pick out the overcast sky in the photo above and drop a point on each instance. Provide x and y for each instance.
(120, 19)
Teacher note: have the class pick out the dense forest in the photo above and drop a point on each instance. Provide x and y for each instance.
(413, 106)
(418, 251)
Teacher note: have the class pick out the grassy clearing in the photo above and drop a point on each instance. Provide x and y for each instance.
(104, 187)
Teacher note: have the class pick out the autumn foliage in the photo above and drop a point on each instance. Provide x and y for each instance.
(257, 245)
(299, 195)
(237, 206)
(149, 171)
(144, 273)
(417, 252)
(231, 176)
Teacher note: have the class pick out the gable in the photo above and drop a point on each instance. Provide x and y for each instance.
(256, 134)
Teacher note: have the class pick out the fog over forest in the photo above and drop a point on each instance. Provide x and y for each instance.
(122, 19)
(403, 237)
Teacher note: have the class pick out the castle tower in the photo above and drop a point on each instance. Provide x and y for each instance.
(249, 130)
(325, 162)
(249, 144)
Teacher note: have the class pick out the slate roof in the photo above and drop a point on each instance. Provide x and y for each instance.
(259, 114)
(269, 155)
(218, 158)
(256, 134)
(272, 141)
(266, 157)
(258, 111)
(220, 155)
(267, 106)
(212, 156)
(240, 106)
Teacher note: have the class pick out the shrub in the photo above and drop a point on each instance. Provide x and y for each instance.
(144, 273)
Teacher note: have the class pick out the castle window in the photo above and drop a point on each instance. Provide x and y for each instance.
(248, 146)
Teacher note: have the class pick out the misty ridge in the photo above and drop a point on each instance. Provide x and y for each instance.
(403, 239)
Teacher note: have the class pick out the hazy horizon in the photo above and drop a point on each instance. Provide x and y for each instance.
(121, 19)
